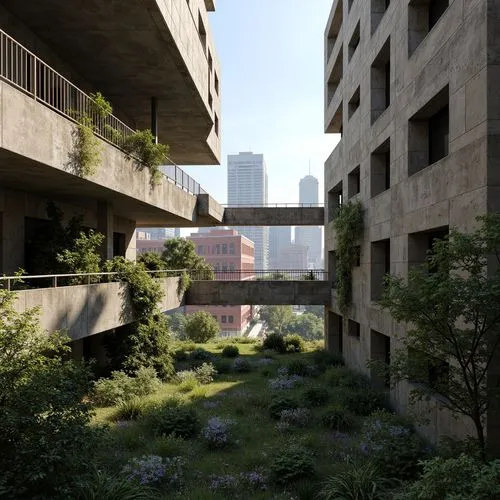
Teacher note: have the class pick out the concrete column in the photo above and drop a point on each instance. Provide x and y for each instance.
(105, 226)
(12, 232)
(154, 118)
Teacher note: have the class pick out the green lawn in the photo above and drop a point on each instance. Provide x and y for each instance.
(244, 398)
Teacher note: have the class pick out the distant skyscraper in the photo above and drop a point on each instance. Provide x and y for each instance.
(280, 237)
(309, 236)
(247, 185)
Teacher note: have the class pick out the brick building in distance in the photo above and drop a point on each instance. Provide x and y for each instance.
(227, 251)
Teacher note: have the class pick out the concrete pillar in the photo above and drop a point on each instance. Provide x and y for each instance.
(154, 118)
(105, 226)
(334, 331)
(12, 232)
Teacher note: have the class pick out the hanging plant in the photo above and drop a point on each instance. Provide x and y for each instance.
(348, 225)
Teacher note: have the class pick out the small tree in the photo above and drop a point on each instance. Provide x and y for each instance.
(452, 308)
(278, 318)
(308, 326)
(177, 322)
(201, 327)
(180, 253)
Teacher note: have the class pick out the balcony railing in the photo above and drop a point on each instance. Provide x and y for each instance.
(18, 283)
(273, 205)
(25, 71)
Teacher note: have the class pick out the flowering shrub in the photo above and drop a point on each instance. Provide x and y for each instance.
(224, 482)
(205, 373)
(217, 432)
(187, 380)
(151, 469)
(297, 367)
(282, 383)
(241, 365)
(254, 480)
(394, 449)
(279, 404)
(298, 417)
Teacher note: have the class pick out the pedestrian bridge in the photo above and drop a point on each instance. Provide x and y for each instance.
(89, 304)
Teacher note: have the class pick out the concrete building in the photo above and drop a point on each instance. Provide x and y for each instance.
(310, 236)
(229, 253)
(280, 237)
(166, 80)
(247, 186)
(413, 89)
(153, 240)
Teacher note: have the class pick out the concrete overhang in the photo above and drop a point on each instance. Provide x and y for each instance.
(234, 293)
(132, 51)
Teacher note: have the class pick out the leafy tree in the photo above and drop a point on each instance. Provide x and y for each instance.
(451, 306)
(278, 318)
(180, 253)
(44, 433)
(177, 322)
(318, 311)
(201, 327)
(82, 256)
(152, 261)
(308, 326)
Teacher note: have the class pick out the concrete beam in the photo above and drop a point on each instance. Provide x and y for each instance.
(270, 216)
(211, 293)
(85, 310)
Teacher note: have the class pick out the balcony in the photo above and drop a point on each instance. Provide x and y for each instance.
(151, 48)
(37, 116)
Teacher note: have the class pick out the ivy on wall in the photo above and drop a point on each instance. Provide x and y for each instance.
(348, 225)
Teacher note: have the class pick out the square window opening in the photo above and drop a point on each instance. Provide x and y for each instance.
(354, 329)
(355, 39)
(334, 201)
(380, 169)
(380, 266)
(354, 102)
(422, 17)
(380, 76)
(354, 182)
(378, 9)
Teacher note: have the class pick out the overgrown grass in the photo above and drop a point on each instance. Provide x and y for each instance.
(244, 399)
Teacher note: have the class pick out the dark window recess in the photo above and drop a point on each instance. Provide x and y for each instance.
(354, 43)
(380, 169)
(381, 353)
(439, 135)
(428, 370)
(387, 70)
(354, 182)
(354, 329)
(119, 245)
(334, 201)
(224, 319)
(380, 266)
(354, 102)
(349, 4)
(378, 8)
(436, 10)
(380, 80)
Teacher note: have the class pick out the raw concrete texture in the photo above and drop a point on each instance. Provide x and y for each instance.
(85, 310)
(208, 293)
(151, 48)
(270, 216)
(456, 57)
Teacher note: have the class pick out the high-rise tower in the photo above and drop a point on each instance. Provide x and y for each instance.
(247, 185)
(309, 237)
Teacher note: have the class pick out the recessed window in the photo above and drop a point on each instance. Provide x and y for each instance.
(420, 246)
(354, 102)
(428, 370)
(380, 266)
(354, 42)
(332, 267)
(429, 133)
(210, 61)
(231, 319)
(381, 82)
(349, 4)
(334, 30)
(223, 319)
(224, 249)
(378, 9)
(354, 329)
(202, 32)
(216, 124)
(216, 83)
(380, 169)
(334, 201)
(210, 100)
(335, 332)
(354, 182)
(231, 248)
(335, 76)
(380, 352)
(422, 17)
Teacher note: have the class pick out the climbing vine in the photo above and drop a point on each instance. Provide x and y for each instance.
(140, 145)
(348, 225)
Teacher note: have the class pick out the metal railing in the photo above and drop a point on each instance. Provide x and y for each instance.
(25, 71)
(26, 282)
(55, 280)
(261, 275)
(274, 205)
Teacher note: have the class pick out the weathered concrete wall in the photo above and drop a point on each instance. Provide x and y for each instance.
(208, 293)
(35, 154)
(85, 310)
(269, 216)
(450, 192)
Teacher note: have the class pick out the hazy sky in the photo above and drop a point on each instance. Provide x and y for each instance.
(271, 57)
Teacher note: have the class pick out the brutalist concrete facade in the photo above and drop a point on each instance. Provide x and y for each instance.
(414, 89)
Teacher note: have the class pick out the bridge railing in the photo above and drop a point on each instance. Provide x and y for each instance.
(260, 275)
(274, 205)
